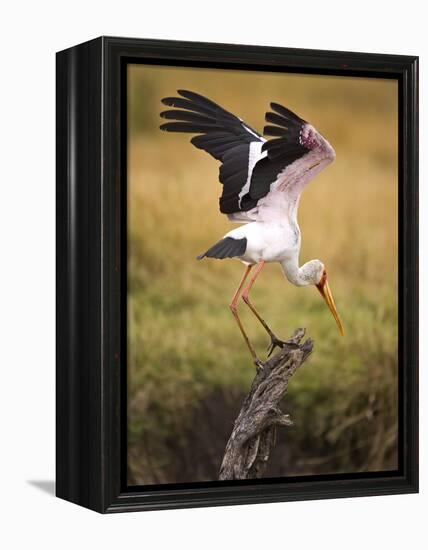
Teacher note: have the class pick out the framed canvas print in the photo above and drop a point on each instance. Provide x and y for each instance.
(237, 281)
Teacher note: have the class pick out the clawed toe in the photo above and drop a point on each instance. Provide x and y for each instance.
(275, 343)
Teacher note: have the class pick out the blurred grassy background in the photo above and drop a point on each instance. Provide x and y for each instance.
(188, 366)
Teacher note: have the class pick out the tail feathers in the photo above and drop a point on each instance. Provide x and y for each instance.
(226, 248)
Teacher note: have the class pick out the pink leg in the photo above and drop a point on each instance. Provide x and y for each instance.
(234, 308)
(245, 296)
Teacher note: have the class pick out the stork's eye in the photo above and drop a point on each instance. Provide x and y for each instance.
(323, 277)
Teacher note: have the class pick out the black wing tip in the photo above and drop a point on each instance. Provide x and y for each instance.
(171, 101)
(226, 248)
(195, 97)
(276, 131)
(274, 106)
(285, 112)
(168, 101)
(179, 92)
(166, 127)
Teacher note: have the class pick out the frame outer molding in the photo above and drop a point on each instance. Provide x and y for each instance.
(79, 455)
(91, 366)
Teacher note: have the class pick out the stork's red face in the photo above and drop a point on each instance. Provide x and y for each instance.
(325, 292)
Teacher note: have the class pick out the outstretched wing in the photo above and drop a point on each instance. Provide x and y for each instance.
(224, 136)
(292, 158)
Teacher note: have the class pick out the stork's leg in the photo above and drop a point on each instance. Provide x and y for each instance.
(245, 296)
(234, 309)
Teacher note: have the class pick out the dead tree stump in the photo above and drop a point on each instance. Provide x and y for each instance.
(254, 432)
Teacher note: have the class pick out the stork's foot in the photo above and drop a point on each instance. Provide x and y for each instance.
(275, 343)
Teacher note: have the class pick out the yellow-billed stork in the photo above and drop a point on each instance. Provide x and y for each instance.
(262, 183)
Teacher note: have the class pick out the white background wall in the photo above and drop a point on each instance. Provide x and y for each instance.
(30, 33)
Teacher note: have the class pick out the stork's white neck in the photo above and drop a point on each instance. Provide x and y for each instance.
(309, 274)
(291, 270)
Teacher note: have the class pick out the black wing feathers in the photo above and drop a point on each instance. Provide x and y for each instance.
(226, 248)
(221, 134)
(186, 116)
(274, 131)
(203, 116)
(286, 113)
(286, 146)
(285, 127)
(264, 174)
(228, 139)
(276, 119)
(233, 176)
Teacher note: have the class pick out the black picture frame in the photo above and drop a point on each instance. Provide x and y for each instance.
(91, 273)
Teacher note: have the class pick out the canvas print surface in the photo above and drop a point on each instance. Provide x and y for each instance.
(306, 170)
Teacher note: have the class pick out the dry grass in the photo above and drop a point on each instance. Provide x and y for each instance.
(183, 343)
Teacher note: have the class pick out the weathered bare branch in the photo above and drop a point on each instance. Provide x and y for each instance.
(254, 432)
